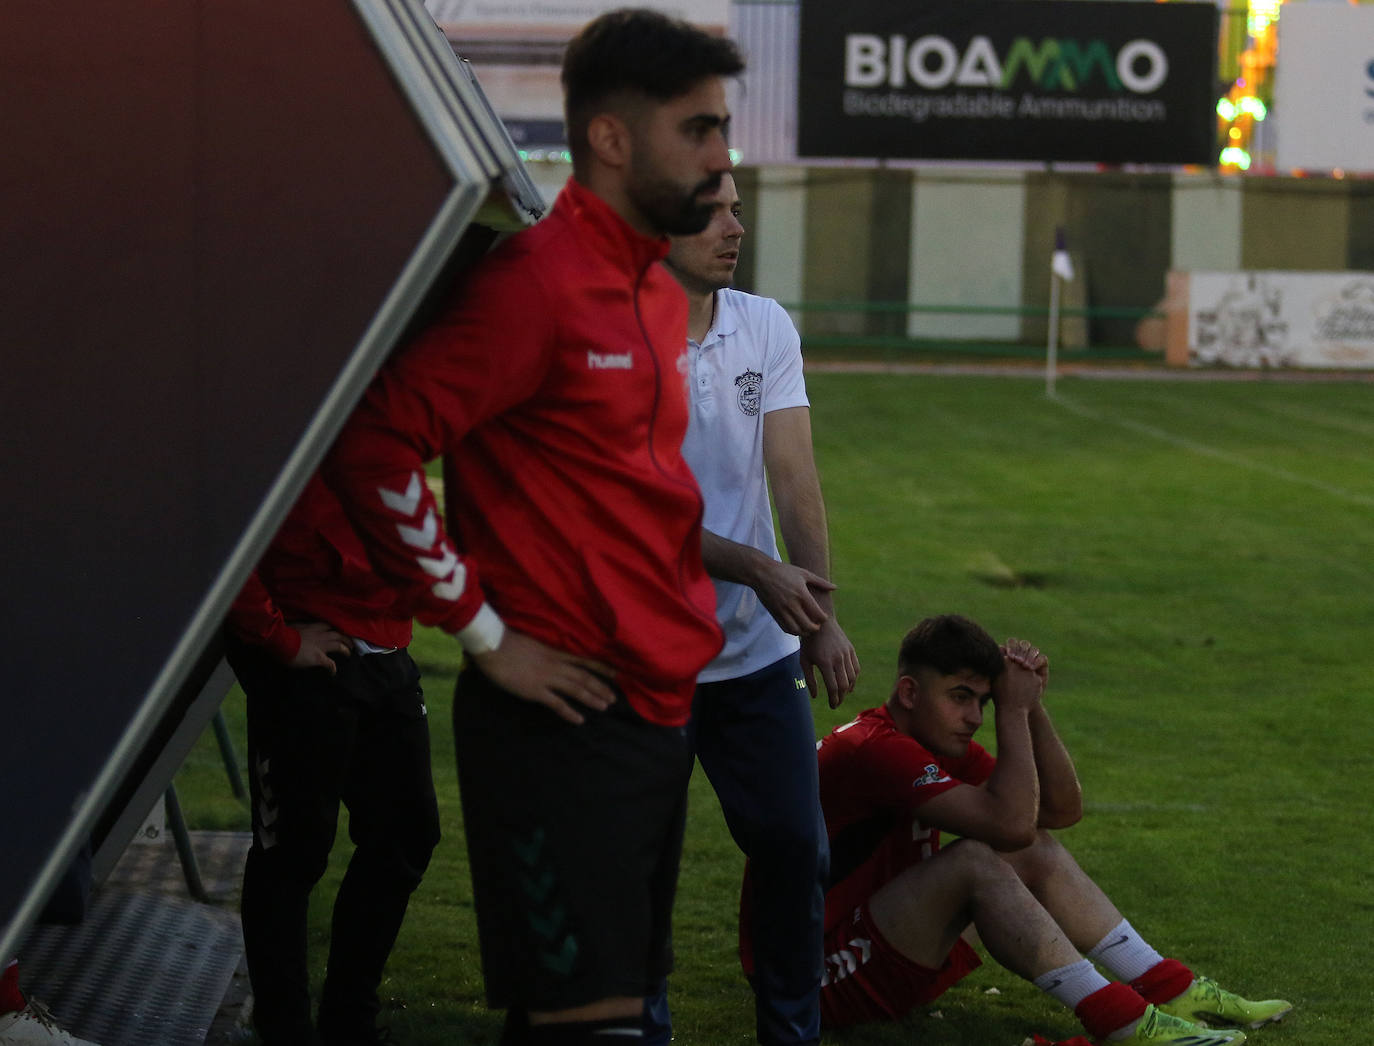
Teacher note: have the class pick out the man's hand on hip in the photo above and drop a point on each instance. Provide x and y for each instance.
(318, 641)
(559, 681)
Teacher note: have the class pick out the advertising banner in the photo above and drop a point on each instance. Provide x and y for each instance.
(1281, 319)
(1324, 87)
(1067, 80)
(516, 47)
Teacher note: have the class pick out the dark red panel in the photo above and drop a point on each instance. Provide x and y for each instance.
(202, 207)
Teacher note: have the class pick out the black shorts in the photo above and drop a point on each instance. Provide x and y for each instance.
(574, 836)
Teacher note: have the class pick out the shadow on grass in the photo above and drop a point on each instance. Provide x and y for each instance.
(444, 1027)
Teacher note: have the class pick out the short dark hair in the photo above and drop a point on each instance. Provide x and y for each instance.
(949, 644)
(637, 51)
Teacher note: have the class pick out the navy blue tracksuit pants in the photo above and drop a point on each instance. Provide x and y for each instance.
(756, 741)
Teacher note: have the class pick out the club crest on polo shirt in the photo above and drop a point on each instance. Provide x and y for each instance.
(750, 385)
(930, 774)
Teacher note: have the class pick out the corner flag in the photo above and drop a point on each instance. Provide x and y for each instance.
(1061, 269)
(1060, 262)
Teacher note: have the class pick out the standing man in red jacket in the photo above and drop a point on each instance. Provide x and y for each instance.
(335, 714)
(553, 385)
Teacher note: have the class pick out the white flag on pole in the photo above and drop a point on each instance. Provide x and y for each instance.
(1060, 262)
(1061, 269)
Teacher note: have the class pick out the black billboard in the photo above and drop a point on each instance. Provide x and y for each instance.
(1046, 80)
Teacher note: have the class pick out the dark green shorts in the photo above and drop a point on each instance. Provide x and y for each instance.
(574, 836)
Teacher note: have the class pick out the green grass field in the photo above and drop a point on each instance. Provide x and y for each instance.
(1197, 559)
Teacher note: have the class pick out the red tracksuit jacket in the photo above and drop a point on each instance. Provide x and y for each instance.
(316, 569)
(554, 385)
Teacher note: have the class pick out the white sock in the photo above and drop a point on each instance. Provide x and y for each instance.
(1073, 983)
(1125, 953)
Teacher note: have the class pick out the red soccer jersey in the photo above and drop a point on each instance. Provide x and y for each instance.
(874, 779)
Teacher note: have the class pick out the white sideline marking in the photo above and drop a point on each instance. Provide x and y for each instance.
(1319, 417)
(1204, 449)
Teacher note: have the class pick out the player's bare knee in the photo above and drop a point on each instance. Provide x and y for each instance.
(1038, 861)
(970, 851)
(975, 863)
(982, 870)
(1036, 857)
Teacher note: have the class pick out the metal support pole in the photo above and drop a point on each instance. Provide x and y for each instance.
(230, 757)
(1052, 349)
(177, 824)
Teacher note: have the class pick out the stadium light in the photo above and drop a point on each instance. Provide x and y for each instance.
(1235, 157)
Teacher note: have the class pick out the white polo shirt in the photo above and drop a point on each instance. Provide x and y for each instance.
(748, 365)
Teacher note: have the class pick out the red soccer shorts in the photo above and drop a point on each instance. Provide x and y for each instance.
(867, 979)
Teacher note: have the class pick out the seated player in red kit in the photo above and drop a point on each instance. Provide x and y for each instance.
(899, 904)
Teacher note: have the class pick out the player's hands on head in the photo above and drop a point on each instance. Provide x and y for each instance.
(1022, 682)
(559, 681)
(785, 590)
(1025, 654)
(318, 641)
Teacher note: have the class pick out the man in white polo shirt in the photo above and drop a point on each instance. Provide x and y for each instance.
(751, 726)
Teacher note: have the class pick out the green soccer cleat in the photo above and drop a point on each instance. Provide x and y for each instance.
(1206, 1002)
(1160, 1027)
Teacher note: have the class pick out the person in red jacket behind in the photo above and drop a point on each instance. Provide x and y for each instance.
(335, 712)
(553, 384)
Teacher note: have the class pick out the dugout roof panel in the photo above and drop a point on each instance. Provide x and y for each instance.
(218, 218)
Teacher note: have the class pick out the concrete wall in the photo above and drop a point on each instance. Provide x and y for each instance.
(1360, 247)
(1295, 223)
(977, 237)
(955, 261)
(983, 237)
(1206, 222)
(1118, 229)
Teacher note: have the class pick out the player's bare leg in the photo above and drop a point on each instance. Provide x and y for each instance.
(924, 910)
(1096, 927)
(1073, 900)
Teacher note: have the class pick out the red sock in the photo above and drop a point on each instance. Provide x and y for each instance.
(1165, 980)
(1110, 1008)
(11, 998)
